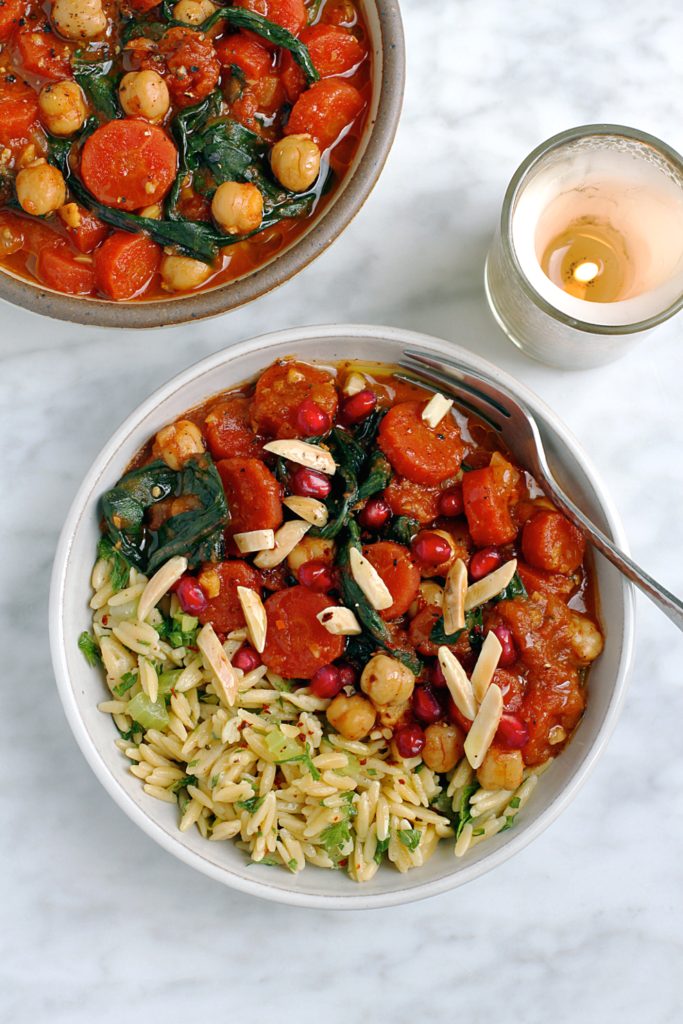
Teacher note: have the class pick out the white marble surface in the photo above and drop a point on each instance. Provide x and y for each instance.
(584, 925)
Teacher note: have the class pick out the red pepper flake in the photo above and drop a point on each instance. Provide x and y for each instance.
(363, 761)
(343, 863)
(105, 620)
(402, 781)
(192, 648)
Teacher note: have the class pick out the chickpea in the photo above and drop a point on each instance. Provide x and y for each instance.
(387, 681)
(181, 274)
(237, 209)
(144, 94)
(296, 162)
(501, 769)
(431, 594)
(444, 746)
(62, 107)
(79, 19)
(177, 442)
(352, 717)
(394, 716)
(586, 640)
(193, 12)
(40, 188)
(310, 548)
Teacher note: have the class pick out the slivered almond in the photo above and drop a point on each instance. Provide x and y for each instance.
(436, 408)
(484, 726)
(454, 597)
(354, 383)
(487, 663)
(159, 584)
(310, 455)
(254, 540)
(370, 581)
(310, 509)
(483, 590)
(255, 614)
(340, 621)
(459, 685)
(286, 539)
(210, 646)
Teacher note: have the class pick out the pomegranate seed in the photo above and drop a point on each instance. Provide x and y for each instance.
(509, 654)
(438, 678)
(426, 705)
(375, 514)
(310, 483)
(431, 549)
(484, 562)
(456, 716)
(451, 503)
(410, 741)
(326, 682)
(311, 419)
(355, 408)
(247, 659)
(513, 731)
(317, 576)
(348, 673)
(192, 598)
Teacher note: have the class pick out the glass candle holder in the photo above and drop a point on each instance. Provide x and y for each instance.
(588, 258)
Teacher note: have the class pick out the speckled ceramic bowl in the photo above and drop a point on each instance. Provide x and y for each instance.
(383, 19)
(82, 687)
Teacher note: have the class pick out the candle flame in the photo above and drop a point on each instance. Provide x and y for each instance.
(585, 272)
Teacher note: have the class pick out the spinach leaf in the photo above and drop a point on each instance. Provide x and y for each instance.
(465, 807)
(59, 151)
(354, 598)
(134, 29)
(120, 573)
(360, 649)
(410, 837)
(349, 457)
(367, 428)
(228, 149)
(101, 90)
(312, 10)
(242, 18)
(402, 529)
(473, 623)
(515, 588)
(381, 851)
(89, 649)
(379, 476)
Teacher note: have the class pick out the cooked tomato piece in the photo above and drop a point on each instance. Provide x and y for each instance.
(89, 232)
(333, 51)
(194, 207)
(253, 495)
(551, 542)
(297, 645)
(291, 14)
(486, 495)
(538, 581)
(129, 164)
(229, 433)
(38, 51)
(406, 498)
(254, 60)
(57, 268)
(224, 612)
(189, 65)
(292, 77)
(513, 687)
(35, 234)
(20, 110)
(399, 572)
(281, 390)
(324, 110)
(423, 454)
(10, 15)
(125, 264)
(275, 578)
(552, 698)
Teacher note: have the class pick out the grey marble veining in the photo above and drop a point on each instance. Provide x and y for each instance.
(584, 926)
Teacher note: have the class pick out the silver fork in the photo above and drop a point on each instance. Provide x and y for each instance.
(518, 428)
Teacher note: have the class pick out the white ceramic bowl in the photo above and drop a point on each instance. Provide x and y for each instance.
(81, 687)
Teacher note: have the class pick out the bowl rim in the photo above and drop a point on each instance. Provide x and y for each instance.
(33, 297)
(272, 890)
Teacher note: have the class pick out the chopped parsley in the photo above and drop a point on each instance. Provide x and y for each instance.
(187, 780)
(251, 805)
(89, 648)
(381, 851)
(410, 837)
(127, 680)
(120, 573)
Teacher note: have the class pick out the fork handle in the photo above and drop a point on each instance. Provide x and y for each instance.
(669, 604)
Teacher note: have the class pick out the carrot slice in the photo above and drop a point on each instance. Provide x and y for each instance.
(486, 496)
(324, 110)
(10, 15)
(398, 570)
(129, 164)
(35, 235)
(253, 495)
(229, 433)
(125, 264)
(406, 498)
(423, 454)
(57, 268)
(254, 60)
(89, 232)
(333, 50)
(224, 612)
(19, 104)
(291, 14)
(38, 51)
(297, 645)
(551, 542)
(281, 390)
(538, 581)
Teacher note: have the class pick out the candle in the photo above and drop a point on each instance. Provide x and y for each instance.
(589, 257)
